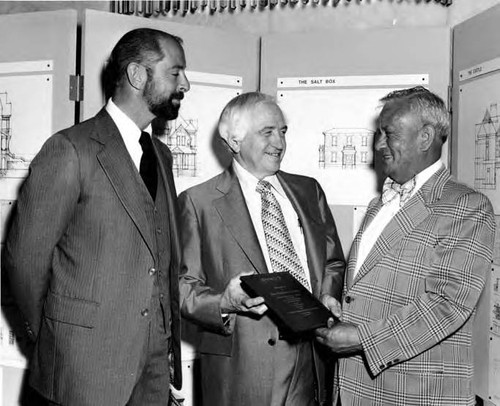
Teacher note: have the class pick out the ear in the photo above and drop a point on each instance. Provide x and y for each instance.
(136, 75)
(427, 135)
(234, 143)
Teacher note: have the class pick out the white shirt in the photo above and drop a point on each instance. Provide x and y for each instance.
(129, 131)
(385, 215)
(248, 184)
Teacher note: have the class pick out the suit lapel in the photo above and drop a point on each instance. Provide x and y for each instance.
(372, 211)
(298, 197)
(233, 211)
(123, 176)
(416, 210)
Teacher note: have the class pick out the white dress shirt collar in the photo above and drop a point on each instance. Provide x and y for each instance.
(129, 131)
(425, 175)
(249, 182)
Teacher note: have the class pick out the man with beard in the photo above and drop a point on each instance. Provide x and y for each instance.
(93, 253)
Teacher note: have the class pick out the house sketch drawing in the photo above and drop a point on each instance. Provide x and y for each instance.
(181, 137)
(8, 160)
(487, 153)
(346, 148)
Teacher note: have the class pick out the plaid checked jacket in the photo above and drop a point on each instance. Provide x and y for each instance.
(414, 299)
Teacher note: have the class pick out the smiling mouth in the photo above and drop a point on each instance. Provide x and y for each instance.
(275, 155)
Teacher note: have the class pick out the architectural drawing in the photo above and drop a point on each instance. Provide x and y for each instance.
(346, 148)
(8, 160)
(487, 154)
(181, 137)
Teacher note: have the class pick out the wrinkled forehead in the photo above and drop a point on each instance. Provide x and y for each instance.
(254, 117)
(392, 110)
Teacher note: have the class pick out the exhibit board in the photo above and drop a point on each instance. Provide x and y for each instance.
(37, 57)
(329, 85)
(476, 162)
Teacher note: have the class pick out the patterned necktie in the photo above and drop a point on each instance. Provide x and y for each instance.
(147, 167)
(392, 189)
(279, 244)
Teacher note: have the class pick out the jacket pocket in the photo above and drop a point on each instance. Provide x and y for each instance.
(70, 310)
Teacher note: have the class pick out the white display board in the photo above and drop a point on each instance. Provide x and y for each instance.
(478, 130)
(197, 152)
(331, 129)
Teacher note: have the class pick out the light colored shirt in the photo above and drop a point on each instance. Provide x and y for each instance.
(248, 184)
(385, 215)
(129, 131)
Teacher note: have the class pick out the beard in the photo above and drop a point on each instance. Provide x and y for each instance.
(162, 107)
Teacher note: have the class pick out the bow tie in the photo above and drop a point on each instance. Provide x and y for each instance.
(393, 189)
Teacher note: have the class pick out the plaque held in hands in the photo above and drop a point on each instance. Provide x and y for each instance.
(296, 309)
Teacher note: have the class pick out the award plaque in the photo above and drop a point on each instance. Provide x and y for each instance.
(296, 309)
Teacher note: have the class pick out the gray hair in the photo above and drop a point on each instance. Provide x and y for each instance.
(429, 106)
(232, 118)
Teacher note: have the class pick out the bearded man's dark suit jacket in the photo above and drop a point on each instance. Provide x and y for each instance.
(219, 242)
(78, 258)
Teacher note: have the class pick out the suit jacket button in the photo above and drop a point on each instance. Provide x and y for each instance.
(144, 312)
(348, 299)
(382, 366)
(271, 341)
(152, 271)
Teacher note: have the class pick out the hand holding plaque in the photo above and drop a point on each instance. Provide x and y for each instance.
(296, 309)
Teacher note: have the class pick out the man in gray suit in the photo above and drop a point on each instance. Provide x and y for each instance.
(245, 361)
(93, 253)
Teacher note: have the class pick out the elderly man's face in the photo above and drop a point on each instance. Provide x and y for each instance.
(398, 141)
(263, 147)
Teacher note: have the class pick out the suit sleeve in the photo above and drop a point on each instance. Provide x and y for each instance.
(333, 277)
(199, 301)
(45, 204)
(452, 287)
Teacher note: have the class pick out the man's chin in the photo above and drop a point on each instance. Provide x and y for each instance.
(168, 114)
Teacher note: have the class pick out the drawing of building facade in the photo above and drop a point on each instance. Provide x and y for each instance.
(8, 160)
(487, 149)
(346, 148)
(181, 137)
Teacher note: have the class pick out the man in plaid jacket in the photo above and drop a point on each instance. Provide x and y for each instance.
(416, 270)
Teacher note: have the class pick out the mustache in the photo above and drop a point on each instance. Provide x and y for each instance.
(177, 95)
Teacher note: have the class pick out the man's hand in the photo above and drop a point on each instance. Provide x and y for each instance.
(332, 304)
(234, 299)
(341, 338)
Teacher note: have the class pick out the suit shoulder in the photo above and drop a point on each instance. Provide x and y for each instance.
(454, 191)
(298, 178)
(204, 190)
(77, 133)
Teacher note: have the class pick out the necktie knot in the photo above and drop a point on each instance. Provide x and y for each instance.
(392, 189)
(145, 141)
(263, 186)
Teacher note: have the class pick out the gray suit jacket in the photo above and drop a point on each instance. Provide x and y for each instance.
(78, 256)
(219, 242)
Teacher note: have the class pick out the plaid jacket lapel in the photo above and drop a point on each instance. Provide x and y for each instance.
(403, 223)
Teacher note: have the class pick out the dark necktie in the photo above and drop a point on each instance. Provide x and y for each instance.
(279, 243)
(392, 189)
(147, 167)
